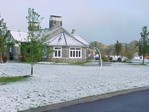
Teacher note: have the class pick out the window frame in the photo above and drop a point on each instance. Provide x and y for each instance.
(75, 52)
(57, 50)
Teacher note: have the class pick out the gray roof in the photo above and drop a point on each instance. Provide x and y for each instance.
(60, 37)
(19, 36)
(56, 37)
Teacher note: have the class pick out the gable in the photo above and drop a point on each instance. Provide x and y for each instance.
(61, 37)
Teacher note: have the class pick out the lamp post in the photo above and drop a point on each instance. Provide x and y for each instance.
(100, 59)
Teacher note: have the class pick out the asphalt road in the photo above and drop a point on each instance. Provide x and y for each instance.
(132, 102)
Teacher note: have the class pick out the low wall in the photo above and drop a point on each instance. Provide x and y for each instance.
(67, 60)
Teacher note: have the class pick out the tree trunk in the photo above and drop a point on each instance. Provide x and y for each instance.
(143, 60)
(1, 55)
(32, 69)
(117, 53)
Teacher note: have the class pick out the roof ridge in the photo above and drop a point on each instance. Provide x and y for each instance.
(18, 31)
(73, 36)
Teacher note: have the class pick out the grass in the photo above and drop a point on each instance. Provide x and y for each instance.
(5, 80)
(77, 63)
(80, 62)
(138, 64)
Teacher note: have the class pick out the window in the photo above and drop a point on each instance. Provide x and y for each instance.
(75, 52)
(57, 52)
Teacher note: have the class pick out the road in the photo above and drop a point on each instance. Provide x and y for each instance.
(132, 102)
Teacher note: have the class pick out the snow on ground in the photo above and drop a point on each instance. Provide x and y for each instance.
(59, 83)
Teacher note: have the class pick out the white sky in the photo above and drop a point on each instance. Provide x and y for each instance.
(96, 20)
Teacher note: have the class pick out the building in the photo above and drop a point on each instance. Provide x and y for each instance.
(15, 38)
(66, 46)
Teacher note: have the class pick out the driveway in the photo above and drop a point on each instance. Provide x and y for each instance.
(132, 102)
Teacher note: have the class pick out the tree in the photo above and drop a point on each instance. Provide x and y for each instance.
(110, 50)
(96, 47)
(33, 50)
(3, 32)
(143, 43)
(96, 44)
(118, 47)
(130, 49)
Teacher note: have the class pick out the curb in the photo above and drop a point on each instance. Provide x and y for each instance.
(85, 99)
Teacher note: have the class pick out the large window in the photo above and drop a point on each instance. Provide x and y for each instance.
(57, 52)
(75, 52)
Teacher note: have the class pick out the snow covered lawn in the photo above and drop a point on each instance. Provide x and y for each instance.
(59, 83)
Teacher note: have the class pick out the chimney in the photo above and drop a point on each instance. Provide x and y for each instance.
(55, 21)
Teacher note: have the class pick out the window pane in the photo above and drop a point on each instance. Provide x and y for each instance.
(70, 53)
(55, 53)
(59, 53)
(77, 54)
(73, 53)
(72, 48)
(78, 48)
(57, 48)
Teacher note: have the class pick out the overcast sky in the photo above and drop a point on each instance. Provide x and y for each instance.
(96, 20)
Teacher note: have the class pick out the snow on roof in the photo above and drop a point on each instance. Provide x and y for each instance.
(58, 36)
(64, 38)
(81, 39)
(19, 35)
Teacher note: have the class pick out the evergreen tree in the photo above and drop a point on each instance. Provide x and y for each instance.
(143, 43)
(118, 47)
(3, 32)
